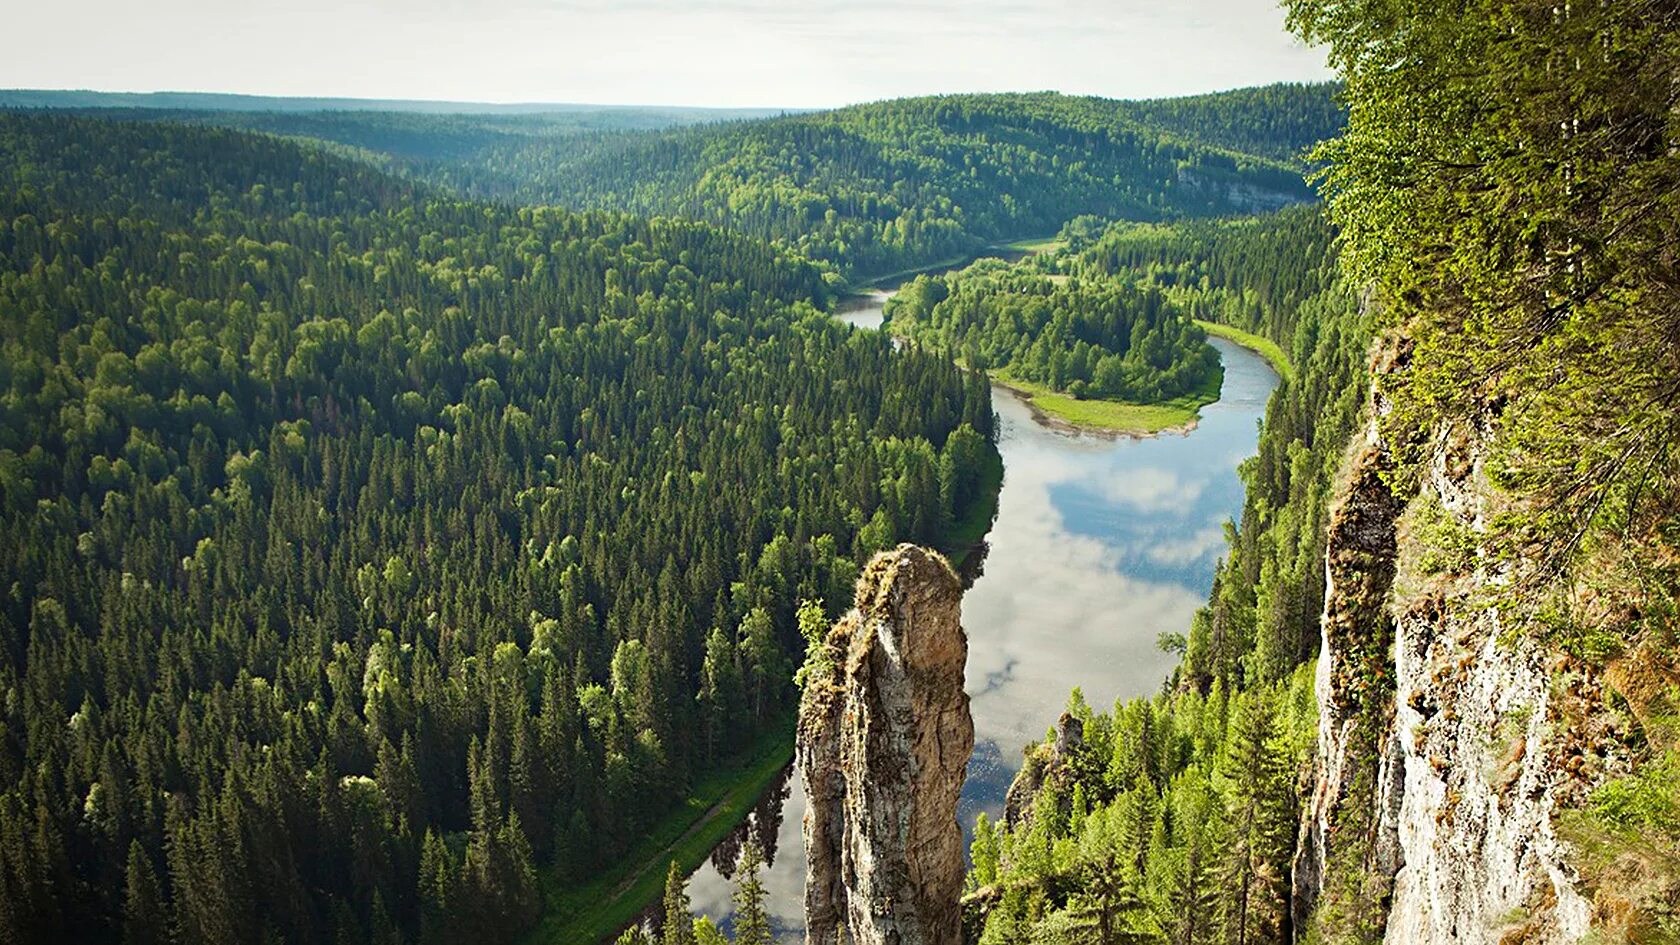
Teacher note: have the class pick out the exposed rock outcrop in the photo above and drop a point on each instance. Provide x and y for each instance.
(1474, 729)
(1355, 693)
(884, 741)
(1436, 779)
(1041, 764)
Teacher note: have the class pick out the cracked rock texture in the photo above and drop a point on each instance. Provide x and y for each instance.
(1438, 734)
(885, 736)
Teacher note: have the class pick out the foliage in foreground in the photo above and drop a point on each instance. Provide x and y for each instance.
(1509, 190)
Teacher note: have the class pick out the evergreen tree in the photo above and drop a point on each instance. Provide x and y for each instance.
(679, 922)
(752, 921)
(145, 919)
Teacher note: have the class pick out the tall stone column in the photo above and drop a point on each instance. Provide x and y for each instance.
(885, 736)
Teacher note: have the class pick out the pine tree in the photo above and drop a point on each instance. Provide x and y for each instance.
(1109, 896)
(518, 881)
(1261, 811)
(145, 921)
(438, 899)
(679, 922)
(752, 921)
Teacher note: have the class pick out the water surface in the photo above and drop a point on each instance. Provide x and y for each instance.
(1100, 545)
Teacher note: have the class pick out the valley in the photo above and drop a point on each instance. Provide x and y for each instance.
(1091, 532)
(1233, 518)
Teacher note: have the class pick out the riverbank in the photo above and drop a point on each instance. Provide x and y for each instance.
(968, 531)
(1117, 418)
(1063, 411)
(606, 905)
(1008, 250)
(1264, 347)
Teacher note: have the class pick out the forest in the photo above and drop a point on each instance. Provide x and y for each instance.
(371, 551)
(1102, 338)
(865, 190)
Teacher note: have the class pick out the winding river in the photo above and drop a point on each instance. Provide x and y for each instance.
(1100, 544)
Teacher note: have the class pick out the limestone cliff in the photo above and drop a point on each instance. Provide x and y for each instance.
(1442, 740)
(884, 740)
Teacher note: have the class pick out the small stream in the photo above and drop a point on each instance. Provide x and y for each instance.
(1100, 545)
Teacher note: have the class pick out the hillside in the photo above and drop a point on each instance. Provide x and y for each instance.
(869, 189)
(1279, 121)
(372, 553)
(895, 184)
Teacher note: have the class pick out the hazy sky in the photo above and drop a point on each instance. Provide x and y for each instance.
(677, 52)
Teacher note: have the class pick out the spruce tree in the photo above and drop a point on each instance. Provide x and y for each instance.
(752, 921)
(145, 921)
(679, 922)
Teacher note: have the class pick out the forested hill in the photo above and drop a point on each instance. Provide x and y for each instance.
(907, 182)
(1279, 121)
(369, 551)
(415, 142)
(224, 103)
(869, 189)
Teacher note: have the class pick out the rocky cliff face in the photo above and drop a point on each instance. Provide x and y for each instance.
(884, 740)
(1042, 764)
(1355, 696)
(1442, 743)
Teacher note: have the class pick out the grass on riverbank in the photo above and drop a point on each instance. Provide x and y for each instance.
(1033, 247)
(1030, 246)
(1264, 347)
(894, 279)
(1115, 416)
(594, 911)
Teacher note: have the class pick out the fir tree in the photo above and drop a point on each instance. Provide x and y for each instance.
(679, 922)
(752, 921)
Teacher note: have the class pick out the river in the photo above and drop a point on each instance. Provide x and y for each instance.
(1100, 545)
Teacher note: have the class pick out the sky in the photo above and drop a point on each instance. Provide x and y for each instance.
(725, 53)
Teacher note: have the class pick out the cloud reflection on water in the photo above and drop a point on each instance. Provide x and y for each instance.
(1099, 546)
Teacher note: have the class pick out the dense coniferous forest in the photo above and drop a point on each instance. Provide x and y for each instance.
(891, 185)
(415, 144)
(1175, 819)
(369, 550)
(867, 189)
(1093, 338)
